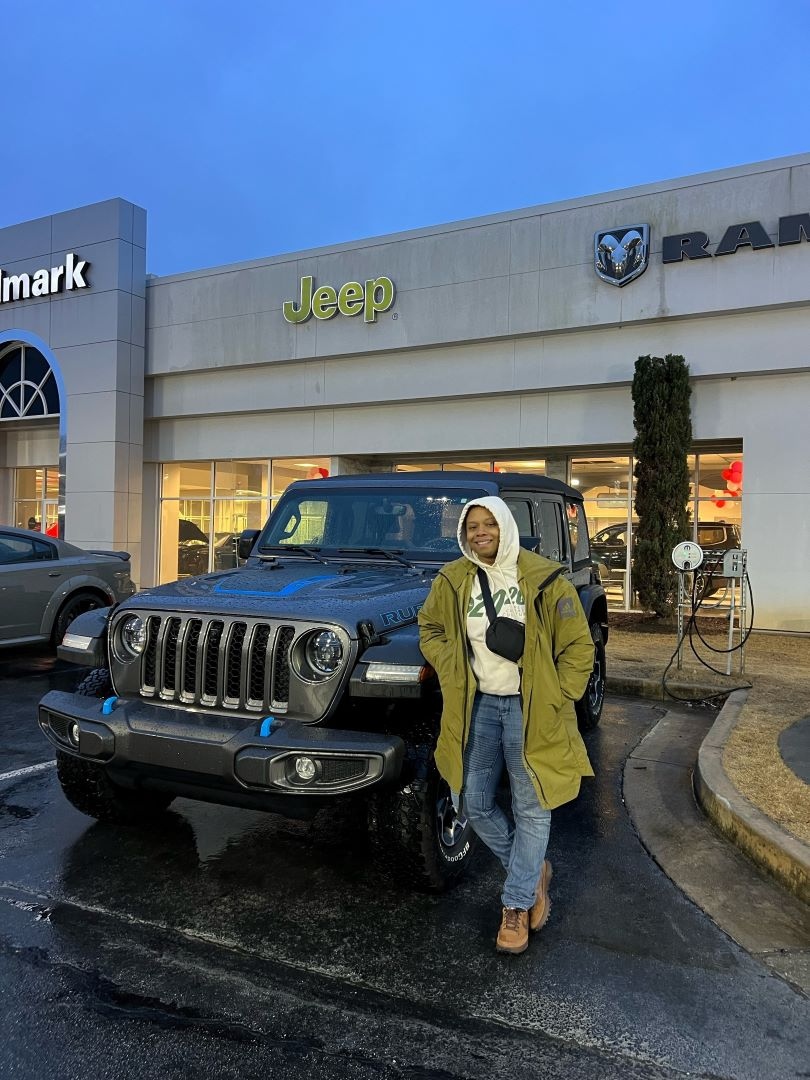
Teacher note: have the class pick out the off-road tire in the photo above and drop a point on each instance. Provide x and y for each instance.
(87, 786)
(405, 827)
(96, 684)
(76, 604)
(589, 707)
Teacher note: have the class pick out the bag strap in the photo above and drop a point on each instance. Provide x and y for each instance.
(486, 595)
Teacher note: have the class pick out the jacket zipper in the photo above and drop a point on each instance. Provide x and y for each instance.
(529, 769)
(463, 622)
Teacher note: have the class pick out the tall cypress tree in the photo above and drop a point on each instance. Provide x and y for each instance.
(663, 422)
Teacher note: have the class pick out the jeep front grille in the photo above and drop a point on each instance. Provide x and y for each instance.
(239, 664)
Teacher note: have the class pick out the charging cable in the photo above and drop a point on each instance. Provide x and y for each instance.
(691, 628)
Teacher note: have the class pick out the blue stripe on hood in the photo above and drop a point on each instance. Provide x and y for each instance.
(285, 590)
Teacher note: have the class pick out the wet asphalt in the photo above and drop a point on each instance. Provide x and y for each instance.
(227, 943)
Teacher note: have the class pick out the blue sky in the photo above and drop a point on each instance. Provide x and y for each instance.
(247, 130)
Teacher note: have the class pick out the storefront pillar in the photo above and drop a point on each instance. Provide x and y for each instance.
(557, 468)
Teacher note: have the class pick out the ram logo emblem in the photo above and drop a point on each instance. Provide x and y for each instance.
(620, 255)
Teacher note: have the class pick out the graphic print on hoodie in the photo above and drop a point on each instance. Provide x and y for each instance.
(494, 674)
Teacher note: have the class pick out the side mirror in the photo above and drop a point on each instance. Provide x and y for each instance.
(244, 545)
(531, 543)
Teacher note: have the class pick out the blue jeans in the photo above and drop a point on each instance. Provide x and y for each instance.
(496, 736)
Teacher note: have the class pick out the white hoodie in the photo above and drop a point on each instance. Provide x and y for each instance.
(495, 674)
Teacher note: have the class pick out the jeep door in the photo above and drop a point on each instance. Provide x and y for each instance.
(541, 517)
(578, 542)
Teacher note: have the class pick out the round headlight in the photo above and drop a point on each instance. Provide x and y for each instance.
(133, 636)
(324, 652)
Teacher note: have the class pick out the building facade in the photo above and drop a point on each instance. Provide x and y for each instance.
(163, 415)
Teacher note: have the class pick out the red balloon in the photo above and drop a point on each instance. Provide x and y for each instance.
(726, 474)
(719, 503)
(737, 466)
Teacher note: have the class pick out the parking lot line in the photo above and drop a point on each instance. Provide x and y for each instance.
(28, 769)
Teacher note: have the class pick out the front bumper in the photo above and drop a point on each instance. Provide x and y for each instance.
(214, 755)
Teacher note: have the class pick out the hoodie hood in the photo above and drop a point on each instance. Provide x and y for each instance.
(509, 545)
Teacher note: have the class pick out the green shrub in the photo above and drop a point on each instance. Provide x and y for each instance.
(662, 417)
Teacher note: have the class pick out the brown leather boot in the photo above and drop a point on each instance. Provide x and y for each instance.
(541, 908)
(513, 936)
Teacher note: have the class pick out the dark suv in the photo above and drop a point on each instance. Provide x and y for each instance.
(609, 550)
(715, 538)
(297, 679)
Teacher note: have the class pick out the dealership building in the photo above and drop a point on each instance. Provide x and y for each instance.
(165, 414)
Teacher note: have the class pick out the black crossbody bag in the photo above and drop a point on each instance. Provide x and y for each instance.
(505, 637)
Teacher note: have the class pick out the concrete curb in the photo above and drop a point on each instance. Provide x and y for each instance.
(643, 686)
(783, 856)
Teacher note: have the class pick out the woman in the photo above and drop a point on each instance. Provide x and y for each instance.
(499, 711)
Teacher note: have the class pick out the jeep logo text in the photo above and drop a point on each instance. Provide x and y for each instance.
(352, 298)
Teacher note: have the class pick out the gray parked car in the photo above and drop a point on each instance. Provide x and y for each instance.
(45, 583)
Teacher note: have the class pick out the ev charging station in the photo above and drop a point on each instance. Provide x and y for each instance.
(688, 558)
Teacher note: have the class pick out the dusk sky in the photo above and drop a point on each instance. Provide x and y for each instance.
(248, 130)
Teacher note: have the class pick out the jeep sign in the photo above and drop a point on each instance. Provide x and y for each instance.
(352, 298)
(71, 275)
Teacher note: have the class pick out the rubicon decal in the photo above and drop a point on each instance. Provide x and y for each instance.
(375, 296)
(401, 615)
(72, 274)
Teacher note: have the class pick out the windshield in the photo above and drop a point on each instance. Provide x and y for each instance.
(410, 519)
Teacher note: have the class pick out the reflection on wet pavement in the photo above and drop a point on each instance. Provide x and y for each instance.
(308, 897)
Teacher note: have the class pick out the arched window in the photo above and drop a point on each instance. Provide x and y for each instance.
(27, 384)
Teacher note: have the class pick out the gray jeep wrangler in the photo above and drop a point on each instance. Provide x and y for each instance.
(296, 679)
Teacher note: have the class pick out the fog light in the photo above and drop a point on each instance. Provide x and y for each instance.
(305, 768)
(73, 732)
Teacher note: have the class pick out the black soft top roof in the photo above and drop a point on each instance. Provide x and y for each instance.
(486, 482)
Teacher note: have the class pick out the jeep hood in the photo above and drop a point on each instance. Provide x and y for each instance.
(385, 594)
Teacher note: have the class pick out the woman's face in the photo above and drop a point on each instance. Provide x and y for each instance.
(483, 534)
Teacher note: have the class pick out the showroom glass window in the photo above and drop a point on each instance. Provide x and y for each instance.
(205, 505)
(27, 386)
(29, 412)
(607, 485)
(36, 499)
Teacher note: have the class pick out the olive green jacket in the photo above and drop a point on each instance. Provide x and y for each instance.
(555, 667)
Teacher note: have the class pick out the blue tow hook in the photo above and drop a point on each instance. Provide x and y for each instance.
(267, 726)
(108, 706)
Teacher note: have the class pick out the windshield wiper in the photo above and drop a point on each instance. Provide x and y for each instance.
(283, 548)
(389, 553)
